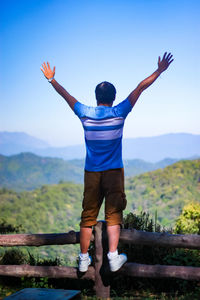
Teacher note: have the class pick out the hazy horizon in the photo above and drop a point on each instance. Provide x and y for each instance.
(80, 144)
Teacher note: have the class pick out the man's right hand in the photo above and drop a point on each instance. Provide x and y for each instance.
(162, 66)
(48, 73)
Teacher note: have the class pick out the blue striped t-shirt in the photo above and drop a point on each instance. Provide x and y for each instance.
(103, 128)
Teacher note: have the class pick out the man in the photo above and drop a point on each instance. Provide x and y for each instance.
(104, 175)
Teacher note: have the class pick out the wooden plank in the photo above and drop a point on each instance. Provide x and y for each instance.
(160, 271)
(9, 240)
(136, 237)
(45, 271)
(131, 236)
(44, 294)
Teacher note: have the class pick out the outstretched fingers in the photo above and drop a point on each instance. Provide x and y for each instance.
(44, 66)
(165, 62)
(164, 56)
(170, 61)
(169, 58)
(48, 65)
(49, 68)
(42, 70)
(46, 69)
(169, 55)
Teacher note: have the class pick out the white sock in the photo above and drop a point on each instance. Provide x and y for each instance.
(112, 254)
(84, 255)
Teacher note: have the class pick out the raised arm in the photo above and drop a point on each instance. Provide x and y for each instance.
(49, 74)
(162, 66)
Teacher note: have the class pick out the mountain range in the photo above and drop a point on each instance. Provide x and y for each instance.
(152, 149)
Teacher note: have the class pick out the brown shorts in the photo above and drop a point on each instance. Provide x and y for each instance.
(97, 185)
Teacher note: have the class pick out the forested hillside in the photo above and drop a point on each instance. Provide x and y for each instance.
(56, 208)
(27, 171)
(165, 190)
(49, 209)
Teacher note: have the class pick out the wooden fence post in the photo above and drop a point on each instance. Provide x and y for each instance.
(102, 282)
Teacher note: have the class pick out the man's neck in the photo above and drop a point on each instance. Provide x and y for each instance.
(105, 104)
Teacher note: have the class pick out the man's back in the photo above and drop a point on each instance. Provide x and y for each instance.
(103, 128)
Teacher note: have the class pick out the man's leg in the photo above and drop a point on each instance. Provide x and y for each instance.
(113, 237)
(84, 258)
(113, 183)
(91, 204)
(85, 237)
(116, 261)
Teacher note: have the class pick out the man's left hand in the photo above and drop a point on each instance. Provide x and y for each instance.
(165, 62)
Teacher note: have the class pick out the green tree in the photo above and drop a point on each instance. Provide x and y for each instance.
(189, 220)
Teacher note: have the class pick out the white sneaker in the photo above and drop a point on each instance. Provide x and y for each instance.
(84, 263)
(117, 262)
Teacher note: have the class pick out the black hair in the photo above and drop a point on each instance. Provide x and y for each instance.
(105, 92)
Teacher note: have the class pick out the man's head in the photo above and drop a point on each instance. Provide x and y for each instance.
(105, 93)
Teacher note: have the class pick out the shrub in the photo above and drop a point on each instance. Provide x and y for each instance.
(189, 220)
(13, 257)
(7, 228)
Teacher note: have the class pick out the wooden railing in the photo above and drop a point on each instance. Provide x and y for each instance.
(100, 273)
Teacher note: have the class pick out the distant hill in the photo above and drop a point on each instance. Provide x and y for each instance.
(175, 145)
(57, 208)
(27, 171)
(135, 167)
(152, 149)
(16, 142)
(12, 143)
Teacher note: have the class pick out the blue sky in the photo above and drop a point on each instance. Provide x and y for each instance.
(90, 41)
